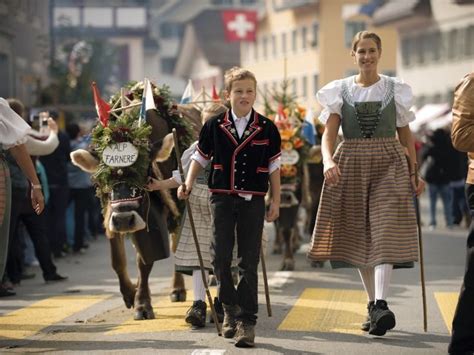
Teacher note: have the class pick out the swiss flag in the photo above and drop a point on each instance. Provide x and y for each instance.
(101, 106)
(239, 25)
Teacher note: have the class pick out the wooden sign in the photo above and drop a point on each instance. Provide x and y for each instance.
(120, 154)
(289, 157)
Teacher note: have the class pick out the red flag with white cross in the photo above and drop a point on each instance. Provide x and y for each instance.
(240, 25)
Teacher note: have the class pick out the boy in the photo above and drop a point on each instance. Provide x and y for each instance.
(243, 148)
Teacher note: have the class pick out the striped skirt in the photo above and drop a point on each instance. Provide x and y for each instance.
(186, 258)
(369, 217)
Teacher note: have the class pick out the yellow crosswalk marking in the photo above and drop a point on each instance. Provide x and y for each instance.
(169, 316)
(447, 302)
(30, 320)
(327, 310)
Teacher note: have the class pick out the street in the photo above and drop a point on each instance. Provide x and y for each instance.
(315, 311)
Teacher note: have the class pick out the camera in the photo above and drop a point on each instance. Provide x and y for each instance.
(43, 123)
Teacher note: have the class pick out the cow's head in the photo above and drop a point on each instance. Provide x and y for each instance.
(127, 205)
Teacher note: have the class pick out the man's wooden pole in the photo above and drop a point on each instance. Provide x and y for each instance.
(420, 247)
(196, 241)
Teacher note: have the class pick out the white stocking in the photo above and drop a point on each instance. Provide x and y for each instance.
(383, 273)
(367, 276)
(198, 285)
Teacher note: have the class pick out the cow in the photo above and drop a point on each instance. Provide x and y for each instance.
(129, 209)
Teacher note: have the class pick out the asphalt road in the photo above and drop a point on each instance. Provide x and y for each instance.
(315, 310)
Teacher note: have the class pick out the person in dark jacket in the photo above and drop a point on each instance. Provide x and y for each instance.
(55, 165)
(436, 169)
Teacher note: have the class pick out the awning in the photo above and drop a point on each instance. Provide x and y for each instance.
(427, 114)
(395, 10)
(440, 122)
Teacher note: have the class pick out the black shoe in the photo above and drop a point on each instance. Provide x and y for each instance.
(245, 335)
(366, 325)
(55, 278)
(229, 324)
(5, 292)
(27, 276)
(196, 315)
(219, 311)
(381, 319)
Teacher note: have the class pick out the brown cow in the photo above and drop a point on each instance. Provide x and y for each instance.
(143, 215)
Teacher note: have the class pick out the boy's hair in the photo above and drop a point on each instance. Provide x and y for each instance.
(211, 110)
(366, 35)
(237, 73)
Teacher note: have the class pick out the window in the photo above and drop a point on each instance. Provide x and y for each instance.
(351, 28)
(274, 46)
(436, 46)
(469, 41)
(293, 86)
(452, 43)
(167, 65)
(315, 28)
(420, 49)
(255, 49)
(283, 42)
(171, 30)
(304, 37)
(406, 51)
(304, 86)
(294, 41)
(315, 83)
(265, 47)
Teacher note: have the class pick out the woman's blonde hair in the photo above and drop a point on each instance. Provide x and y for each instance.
(237, 73)
(366, 35)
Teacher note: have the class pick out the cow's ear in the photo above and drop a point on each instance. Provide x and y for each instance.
(166, 148)
(85, 160)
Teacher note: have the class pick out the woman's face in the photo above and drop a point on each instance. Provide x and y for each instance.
(367, 55)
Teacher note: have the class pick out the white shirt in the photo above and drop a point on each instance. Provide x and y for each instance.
(330, 97)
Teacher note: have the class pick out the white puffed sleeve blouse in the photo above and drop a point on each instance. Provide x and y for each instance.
(330, 97)
(13, 129)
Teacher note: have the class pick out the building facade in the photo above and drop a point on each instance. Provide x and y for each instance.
(308, 43)
(436, 45)
(24, 49)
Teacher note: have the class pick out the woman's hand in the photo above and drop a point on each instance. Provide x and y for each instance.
(183, 192)
(332, 173)
(37, 200)
(417, 188)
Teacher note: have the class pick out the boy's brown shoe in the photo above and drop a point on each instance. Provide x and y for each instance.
(229, 324)
(245, 335)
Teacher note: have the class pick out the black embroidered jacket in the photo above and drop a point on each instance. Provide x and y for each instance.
(239, 165)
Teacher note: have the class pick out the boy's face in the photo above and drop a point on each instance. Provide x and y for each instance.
(242, 96)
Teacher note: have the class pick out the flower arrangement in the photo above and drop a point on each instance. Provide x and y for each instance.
(288, 116)
(126, 128)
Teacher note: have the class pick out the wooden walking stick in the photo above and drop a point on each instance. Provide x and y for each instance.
(265, 282)
(193, 229)
(420, 246)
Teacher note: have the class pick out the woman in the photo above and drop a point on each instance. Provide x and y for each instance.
(366, 217)
(13, 130)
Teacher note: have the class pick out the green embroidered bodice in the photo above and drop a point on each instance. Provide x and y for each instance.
(372, 119)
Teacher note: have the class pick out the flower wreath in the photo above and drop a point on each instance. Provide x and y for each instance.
(126, 129)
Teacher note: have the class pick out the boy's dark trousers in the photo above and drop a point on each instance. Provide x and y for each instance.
(462, 340)
(232, 214)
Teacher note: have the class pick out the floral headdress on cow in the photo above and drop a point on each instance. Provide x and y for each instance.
(288, 116)
(124, 126)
